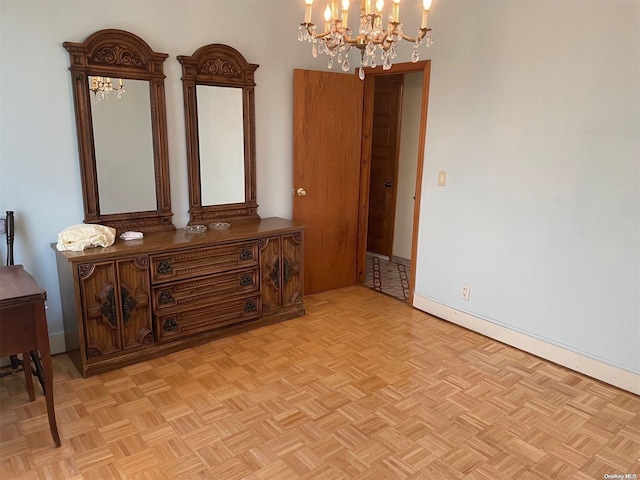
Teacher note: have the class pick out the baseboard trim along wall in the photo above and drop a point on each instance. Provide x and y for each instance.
(56, 343)
(610, 374)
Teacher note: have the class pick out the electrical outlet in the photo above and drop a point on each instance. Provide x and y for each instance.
(464, 293)
(442, 178)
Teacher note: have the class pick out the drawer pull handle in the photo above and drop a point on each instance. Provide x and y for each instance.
(288, 271)
(246, 254)
(165, 297)
(164, 267)
(170, 325)
(108, 307)
(128, 305)
(250, 306)
(246, 280)
(274, 275)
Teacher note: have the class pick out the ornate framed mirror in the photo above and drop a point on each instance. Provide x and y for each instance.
(219, 103)
(118, 92)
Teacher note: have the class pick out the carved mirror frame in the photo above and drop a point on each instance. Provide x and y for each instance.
(223, 66)
(117, 53)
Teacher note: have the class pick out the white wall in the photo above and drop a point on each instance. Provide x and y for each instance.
(534, 112)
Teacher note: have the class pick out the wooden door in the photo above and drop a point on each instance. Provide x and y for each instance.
(385, 147)
(327, 131)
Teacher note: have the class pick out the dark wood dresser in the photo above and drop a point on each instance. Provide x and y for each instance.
(145, 298)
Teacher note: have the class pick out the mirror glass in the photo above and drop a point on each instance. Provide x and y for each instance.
(124, 149)
(221, 145)
(122, 142)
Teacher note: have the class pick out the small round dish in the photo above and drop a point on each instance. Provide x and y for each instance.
(220, 225)
(195, 228)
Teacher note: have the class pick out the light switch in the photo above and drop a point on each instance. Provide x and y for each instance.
(442, 178)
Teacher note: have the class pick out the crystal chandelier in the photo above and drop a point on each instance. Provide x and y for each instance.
(101, 86)
(337, 39)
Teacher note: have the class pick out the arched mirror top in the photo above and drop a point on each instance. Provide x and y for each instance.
(218, 64)
(218, 87)
(123, 152)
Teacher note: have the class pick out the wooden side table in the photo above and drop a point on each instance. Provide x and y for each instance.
(23, 328)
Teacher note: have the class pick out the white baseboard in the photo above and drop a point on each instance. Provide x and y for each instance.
(615, 376)
(56, 343)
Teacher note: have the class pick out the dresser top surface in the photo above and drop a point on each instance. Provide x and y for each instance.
(179, 239)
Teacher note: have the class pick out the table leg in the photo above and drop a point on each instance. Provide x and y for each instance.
(47, 366)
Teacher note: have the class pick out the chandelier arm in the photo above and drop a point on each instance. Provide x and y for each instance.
(420, 36)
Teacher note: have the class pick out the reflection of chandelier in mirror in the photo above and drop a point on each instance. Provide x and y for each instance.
(101, 86)
(337, 39)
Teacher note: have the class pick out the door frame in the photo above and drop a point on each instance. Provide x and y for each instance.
(365, 163)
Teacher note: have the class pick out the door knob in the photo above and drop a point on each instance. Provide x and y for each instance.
(301, 192)
(388, 184)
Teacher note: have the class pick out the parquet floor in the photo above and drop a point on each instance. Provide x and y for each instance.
(362, 387)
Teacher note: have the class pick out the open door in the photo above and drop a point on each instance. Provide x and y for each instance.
(332, 148)
(327, 131)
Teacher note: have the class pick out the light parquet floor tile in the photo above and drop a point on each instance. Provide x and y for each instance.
(362, 387)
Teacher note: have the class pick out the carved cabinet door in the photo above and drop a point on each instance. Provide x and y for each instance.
(115, 305)
(270, 273)
(281, 271)
(133, 280)
(292, 262)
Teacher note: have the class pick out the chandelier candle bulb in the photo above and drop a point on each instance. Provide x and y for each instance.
(379, 6)
(426, 5)
(345, 13)
(327, 19)
(307, 11)
(395, 11)
(334, 9)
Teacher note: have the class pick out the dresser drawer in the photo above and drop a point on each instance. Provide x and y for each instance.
(204, 261)
(205, 290)
(186, 322)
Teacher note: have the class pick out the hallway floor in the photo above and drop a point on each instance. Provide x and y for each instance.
(388, 277)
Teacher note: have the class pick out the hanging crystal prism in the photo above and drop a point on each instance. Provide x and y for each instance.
(429, 38)
(386, 63)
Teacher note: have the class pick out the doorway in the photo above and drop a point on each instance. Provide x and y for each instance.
(331, 172)
(412, 136)
(394, 158)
